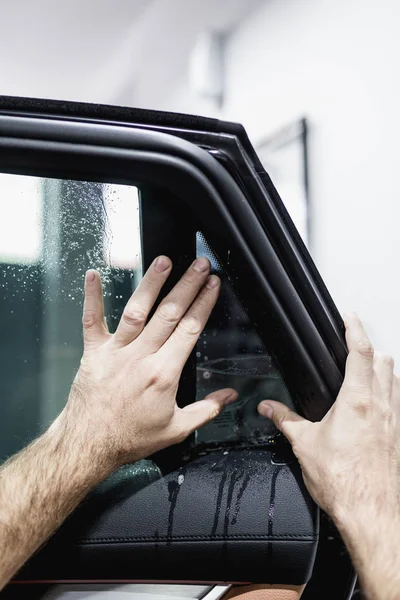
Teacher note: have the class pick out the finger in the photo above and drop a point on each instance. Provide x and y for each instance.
(175, 305)
(383, 366)
(142, 301)
(286, 420)
(180, 344)
(94, 327)
(359, 365)
(199, 413)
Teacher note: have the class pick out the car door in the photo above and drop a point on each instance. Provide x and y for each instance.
(93, 186)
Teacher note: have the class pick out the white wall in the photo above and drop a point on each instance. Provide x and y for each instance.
(110, 51)
(338, 63)
(59, 49)
(335, 61)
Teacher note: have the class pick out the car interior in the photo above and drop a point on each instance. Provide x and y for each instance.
(225, 514)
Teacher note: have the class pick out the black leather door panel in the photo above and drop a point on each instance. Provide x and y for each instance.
(232, 516)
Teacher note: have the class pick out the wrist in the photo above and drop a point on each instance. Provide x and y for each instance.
(368, 519)
(83, 454)
(371, 535)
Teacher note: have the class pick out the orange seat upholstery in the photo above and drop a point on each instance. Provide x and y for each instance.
(265, 592)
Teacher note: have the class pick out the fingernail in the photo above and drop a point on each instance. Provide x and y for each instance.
(90, 275)
(161, 264)
(212, 282)
(201, 264)
(265, 410)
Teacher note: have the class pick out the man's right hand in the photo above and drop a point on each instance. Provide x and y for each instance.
(351, 460)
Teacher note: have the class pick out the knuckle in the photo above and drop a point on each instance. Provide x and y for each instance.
(160, 378)
(169, 312)
(190, 279)
(134, 316)
(365, 348)
(362, 405)
(163, 384)
(191, 326)
(153, 377)
(89, 318)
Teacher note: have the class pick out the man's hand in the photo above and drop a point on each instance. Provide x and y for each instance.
(121, 408)
(351, 461)
(125, 390)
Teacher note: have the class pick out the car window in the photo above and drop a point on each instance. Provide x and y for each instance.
(51, 232)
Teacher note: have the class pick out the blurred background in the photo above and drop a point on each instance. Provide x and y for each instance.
(316, 83)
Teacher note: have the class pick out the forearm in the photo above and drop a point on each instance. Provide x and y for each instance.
(39, 487)
(373, 543)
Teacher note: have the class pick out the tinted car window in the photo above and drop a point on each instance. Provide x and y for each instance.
(230, 353)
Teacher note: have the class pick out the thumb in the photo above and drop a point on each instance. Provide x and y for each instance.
(201, 412)
(286, 420)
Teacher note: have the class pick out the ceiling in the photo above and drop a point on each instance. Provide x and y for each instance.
(117, 51)
(54, 48)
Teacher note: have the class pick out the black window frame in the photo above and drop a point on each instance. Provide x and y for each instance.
(114, 153)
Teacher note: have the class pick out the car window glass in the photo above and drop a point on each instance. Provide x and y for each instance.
(52, 231)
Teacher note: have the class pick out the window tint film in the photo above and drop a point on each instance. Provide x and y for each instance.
(230, 353)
